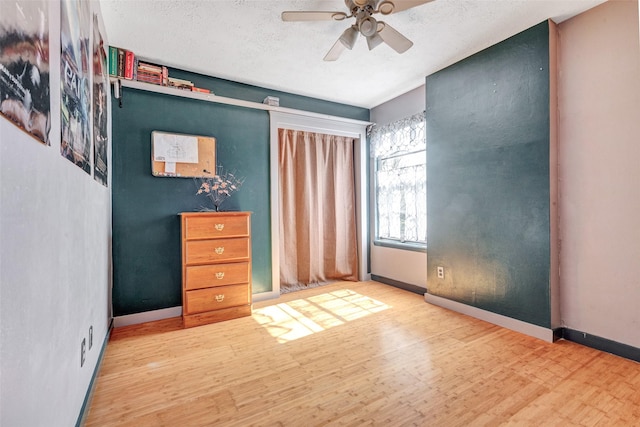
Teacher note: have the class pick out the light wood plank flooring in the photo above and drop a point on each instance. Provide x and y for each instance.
(356, 354)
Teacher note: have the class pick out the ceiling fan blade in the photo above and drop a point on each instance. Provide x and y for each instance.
(394, 39)
(313, 16)
(394, 6)
(335, 51)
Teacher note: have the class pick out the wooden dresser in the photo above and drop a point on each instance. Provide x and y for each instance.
(216, 266)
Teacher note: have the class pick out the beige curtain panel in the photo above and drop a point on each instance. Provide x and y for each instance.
(317, 209)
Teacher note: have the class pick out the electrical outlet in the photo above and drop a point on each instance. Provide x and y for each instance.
(90, 337)
(83, 351)
(440, 272)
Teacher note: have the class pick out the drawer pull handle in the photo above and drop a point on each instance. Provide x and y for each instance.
(220, 275)
(219, 227)
(220, 250)
(220, 297)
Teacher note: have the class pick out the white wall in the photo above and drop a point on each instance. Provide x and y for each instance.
(397, 264)
(55, 233)
(599, 169)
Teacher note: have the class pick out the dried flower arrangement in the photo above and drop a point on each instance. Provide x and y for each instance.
(219, 187)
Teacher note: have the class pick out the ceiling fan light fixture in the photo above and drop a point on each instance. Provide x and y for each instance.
(374, 41)
(349, 37)
(368, 26)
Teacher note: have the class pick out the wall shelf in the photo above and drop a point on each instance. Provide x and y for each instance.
(209, 97)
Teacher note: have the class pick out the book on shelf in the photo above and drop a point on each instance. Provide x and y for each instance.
(152, 80)
(183, 87)
(152, 68)
(135, 68)
(150, 73)
(128, 65)
(175, 81)
(165, 76)
(121, 61)
(142, 73)
(125, 64)
(113, 61)
(179, 83)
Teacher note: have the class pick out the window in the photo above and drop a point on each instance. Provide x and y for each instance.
(400, 167)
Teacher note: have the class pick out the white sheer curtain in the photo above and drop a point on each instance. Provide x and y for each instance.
(317, 209)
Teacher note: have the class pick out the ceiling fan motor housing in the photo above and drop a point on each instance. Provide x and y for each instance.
(362, 11)
(358, 6)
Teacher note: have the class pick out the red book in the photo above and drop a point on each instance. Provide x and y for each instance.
(149, 73)
(199, 89)
(156, 81)
(128, 65)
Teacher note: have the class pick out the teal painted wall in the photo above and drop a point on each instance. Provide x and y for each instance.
(488, 179)
(146, 228)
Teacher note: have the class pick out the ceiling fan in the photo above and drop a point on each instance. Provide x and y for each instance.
(376, 32)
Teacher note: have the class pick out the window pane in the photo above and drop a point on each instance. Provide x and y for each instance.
(401, 197)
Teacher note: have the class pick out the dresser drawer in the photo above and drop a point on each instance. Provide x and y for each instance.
(219, 250)
(216, 298)
(216, 225)
(204, 276)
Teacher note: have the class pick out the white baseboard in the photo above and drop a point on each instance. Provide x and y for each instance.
(165, 313)
(147, 316)
(263, 296)
(488, 316)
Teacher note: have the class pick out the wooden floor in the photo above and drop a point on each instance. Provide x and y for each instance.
(356, 354)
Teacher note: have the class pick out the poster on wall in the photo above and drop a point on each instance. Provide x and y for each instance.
(75, 118)
(24, 66)
(100, 92)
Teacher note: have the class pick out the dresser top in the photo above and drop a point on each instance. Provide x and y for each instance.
(213, 213)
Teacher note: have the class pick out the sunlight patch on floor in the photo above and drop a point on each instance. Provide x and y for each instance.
(299, 318)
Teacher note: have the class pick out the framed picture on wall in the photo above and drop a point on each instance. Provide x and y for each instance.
(75, 108)
(24, 66)
(182, 156)
(100, 110)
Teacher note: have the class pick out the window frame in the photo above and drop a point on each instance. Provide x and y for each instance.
(415, 246)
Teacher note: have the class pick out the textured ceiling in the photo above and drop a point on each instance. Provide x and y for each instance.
(246, 41)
